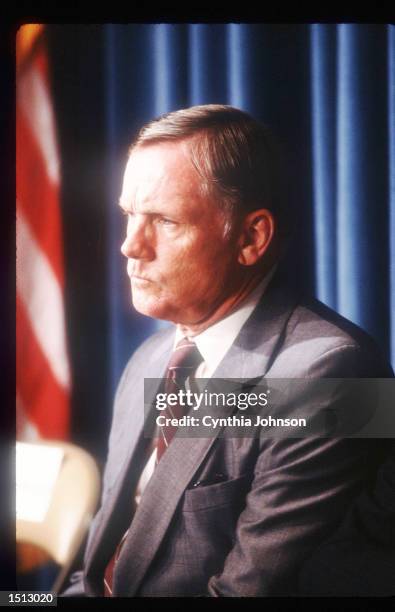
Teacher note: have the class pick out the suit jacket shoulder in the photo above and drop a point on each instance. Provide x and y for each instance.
(318, 342)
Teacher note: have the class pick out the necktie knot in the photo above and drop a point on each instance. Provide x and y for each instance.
(184, 361)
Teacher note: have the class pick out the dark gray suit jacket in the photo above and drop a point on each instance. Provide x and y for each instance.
(250, 534)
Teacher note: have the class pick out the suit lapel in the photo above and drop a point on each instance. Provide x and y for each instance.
(255, 347)
(249, 357)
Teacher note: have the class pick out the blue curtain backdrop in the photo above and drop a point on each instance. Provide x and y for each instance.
(329, 93)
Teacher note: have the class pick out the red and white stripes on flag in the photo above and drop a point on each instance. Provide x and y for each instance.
(42, 370)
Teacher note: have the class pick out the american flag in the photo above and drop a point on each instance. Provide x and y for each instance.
(42, 370)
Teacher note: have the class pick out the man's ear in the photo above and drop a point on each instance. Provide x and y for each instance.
(256, 236)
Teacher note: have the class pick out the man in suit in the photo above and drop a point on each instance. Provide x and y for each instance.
(220, 516)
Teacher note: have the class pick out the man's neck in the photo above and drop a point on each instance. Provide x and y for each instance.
(226, 307)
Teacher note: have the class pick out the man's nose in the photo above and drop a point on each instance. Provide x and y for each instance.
(137, 244)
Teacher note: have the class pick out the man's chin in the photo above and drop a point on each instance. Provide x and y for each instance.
(151, 308)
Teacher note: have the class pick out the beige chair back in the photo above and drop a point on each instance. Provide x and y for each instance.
(73, 502)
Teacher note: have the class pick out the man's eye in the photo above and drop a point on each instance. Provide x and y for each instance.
(165, 221)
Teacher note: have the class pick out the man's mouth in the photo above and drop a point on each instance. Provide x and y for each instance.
(140, 279)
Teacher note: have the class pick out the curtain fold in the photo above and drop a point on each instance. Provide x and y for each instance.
(323, 84)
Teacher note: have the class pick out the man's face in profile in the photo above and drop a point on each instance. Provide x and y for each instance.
(180, 263)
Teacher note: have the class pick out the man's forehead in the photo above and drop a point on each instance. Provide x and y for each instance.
(159, 166)
(165, 154)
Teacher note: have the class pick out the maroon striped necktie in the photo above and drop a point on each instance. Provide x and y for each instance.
(183, 362)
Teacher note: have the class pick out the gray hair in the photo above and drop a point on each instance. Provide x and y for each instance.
(236, 156)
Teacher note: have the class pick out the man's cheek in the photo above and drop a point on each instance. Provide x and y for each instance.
(181, 272)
